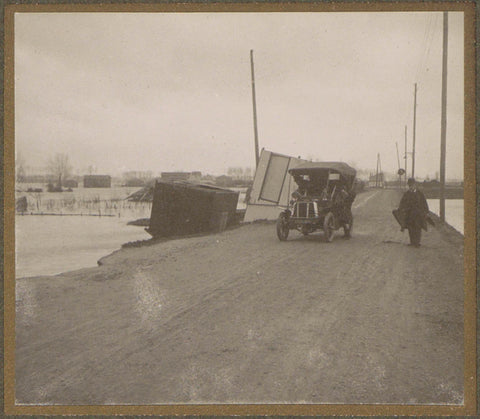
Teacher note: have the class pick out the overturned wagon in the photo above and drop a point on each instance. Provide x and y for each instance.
(181, 208)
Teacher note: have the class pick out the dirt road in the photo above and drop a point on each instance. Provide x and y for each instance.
(242, 317)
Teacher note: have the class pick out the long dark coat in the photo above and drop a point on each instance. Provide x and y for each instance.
(415, 206)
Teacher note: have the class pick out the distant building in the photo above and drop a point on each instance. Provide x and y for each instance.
(376, 180)
(97, 181)
(431, 183)
(137, 177)
(452, 190)
(171, 176)
(135, 182)
(70, 183)
(35, 178)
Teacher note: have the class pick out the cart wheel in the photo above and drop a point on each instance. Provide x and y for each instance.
(329, 227)
(347, 229)
(282, 228)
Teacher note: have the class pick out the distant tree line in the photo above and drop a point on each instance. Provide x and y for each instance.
(59, 169)
(240, 173)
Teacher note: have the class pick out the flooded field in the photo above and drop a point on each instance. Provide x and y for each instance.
(97, 201)
(453, 212)
(48, 245)
(51, 244)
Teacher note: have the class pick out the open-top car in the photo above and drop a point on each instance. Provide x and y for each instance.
(322, 201)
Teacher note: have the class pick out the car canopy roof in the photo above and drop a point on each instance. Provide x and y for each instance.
(314, 167)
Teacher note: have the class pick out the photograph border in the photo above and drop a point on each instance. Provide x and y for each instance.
(470, 310)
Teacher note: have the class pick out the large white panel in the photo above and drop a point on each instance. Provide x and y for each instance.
(274, 178)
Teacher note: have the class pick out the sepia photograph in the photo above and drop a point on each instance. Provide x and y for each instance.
(240, 207)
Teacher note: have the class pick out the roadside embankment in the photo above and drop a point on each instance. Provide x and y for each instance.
(240, 317)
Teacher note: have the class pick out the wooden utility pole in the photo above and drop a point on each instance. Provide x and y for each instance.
(414, 126)
(443, 135)
(406, 157)
(257, 155)
(398, 161)
(379, 171)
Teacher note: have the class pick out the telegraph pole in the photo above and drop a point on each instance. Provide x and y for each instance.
(406, 155)
(398, 161)
(443, 135)
(379, 174)
(380, 167)
(414, 126)
(257, 156)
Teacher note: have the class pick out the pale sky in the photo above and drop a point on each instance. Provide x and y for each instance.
(172, 91)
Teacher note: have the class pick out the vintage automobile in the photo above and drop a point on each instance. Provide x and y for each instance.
(322, 201)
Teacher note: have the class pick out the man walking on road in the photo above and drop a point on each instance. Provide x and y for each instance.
(415, 207)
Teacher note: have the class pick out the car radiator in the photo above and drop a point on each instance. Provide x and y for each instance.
(305, 210)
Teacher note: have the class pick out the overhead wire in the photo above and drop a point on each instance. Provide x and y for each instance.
(429, 45)
(428, 37)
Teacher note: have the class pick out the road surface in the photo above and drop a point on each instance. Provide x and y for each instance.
(242, 317)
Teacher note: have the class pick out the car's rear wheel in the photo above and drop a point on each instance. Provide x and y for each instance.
(329, 227)
(347, 229)
(282, 228)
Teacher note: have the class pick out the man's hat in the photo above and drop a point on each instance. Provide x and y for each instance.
(411, 181)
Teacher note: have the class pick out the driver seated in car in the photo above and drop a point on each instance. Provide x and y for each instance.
(301, 191)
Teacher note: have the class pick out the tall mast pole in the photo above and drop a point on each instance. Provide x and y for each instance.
(443, 135)
(398, 156)
(414, 126)
(406, 156)
(381, 173)
(257, 155)
(398, 161)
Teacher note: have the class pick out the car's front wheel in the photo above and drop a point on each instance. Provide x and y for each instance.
(329, 227)
(282, 228)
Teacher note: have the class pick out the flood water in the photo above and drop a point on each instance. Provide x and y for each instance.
(48, 245)
(454, 214)
(52, 244)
